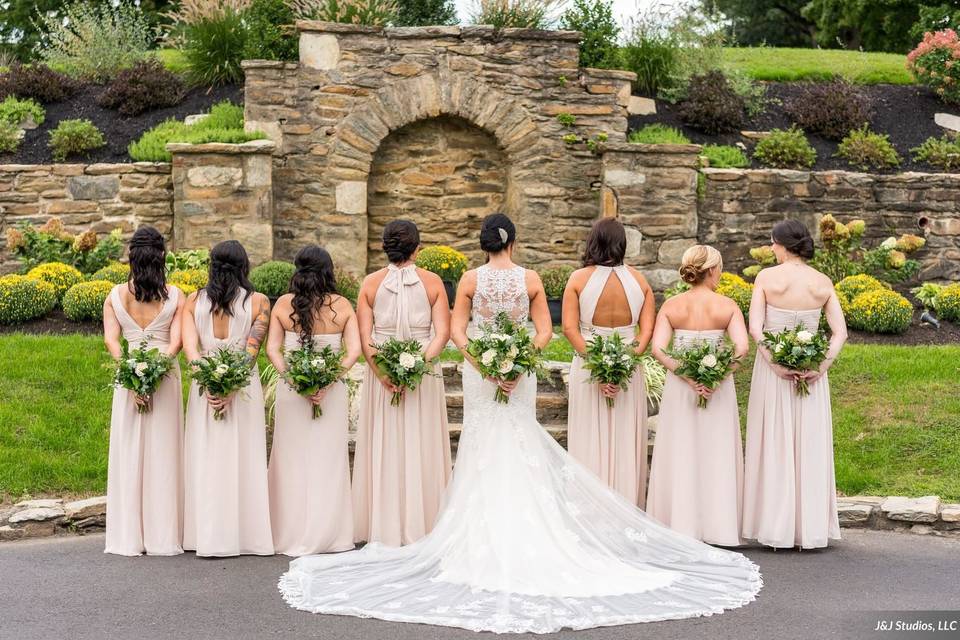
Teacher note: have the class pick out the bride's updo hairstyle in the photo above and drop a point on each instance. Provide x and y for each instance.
(400, 240)
(794, 236)
(147, 269)
(497, 233)
(313, 285)
(697, 262)
(606, 244)
(229, 273)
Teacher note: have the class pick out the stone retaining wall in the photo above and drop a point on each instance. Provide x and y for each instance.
(100, 196)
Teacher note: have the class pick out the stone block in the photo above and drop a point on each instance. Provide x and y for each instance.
(195, 118)
(925, 509)
(854, 515)
(257, 170)
(37, 514)
(93, 187)
(671, 251)
(947, 121)
(639, 106)
(319, 51)
(351, 197)
(59, 207)
(214, 176)
(950, 513)
(271, 128)
(91, 507)
(661, 279)
(623, 178)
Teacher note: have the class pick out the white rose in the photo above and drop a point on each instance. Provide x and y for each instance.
(506, 366)
(709, 361)
(131, 362)
(487, 358)
(141, 368)
(889, 243)
(222, 369)
(778, 348)
(316, 363)
(624, 358)
(803, 337)
(513, 352)
(407, 360)
(607, 360)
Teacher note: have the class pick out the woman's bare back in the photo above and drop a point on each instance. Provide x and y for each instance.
(699, 309)
(794, 286)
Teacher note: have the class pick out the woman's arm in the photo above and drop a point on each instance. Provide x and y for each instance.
(439, 316)
(737, 330)
(461, 311)
(259, 326)
(838, 336)
(111, 330)
(188, 330)
(571, 315)
(662, 332)
(365, 324)
(351, 337)
(648, 316)
(275, 336)
(539, 311)
(176, 330)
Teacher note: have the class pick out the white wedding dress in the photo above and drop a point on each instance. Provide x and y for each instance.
(528, 540)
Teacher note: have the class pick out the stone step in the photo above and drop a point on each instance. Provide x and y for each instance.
(551, 407)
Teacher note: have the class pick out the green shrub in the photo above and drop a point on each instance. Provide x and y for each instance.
(446, 262)
(348, 286)
(711, 105)
(193, 277)
(53, 243)
(117, 273)
(658, 134)
(933, 63)
(941, 152)
(23, 298)
(270, 31)
(198, 259)
(60, 276)
(37, 81)
(880, 311)
(852, 286)
(223, 124)
(84, 300)
(213, 48)
(14, 110)
(272, 278)
(594, 19)
(74, 137)
(653, 57)
(504, 14)
(10, 137)
(866, 150)
(926, 294)
(721, 156)
(785, 149)
(425, 13)
(675, 289)
(555, 281)
(829, 109)
(146, 86)
(948, 302)
(95, 40)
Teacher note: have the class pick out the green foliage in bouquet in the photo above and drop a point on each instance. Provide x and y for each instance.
(221, 373)
(797, 349)
(310, 369)
(141, 371)
(705, 363)
(610, 360)
(504, 350)
(403, 362)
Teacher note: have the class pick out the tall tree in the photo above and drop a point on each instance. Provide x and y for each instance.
(872, 25)
(778, 23)
(424, 13)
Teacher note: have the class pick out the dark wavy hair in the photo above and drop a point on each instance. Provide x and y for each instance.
(794, 236)
(400, 240)
(229, 273)
(148, 265)
(313, 285)
(606, 244)
(491, 238)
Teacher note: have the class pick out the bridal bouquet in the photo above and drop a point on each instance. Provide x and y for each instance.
(141, 371)
(310, 369)
(504, 350)
(221, 373)
(402, 361)
(705, 363)
(610, 360)
(799, 350)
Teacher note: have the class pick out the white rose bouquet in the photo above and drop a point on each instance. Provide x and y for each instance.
(705, 363)
(141, 371)
(610, 360)
(504, 350)
(799, 350)
(310, 369)
(403, 362)
(221, 373)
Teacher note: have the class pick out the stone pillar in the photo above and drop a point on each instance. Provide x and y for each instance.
(224, 192)
(652, 188)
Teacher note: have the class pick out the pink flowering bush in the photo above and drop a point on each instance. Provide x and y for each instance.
(936, 63)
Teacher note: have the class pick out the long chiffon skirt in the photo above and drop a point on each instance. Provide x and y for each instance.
(789, 494)
(226, 503)
(310, 505)
(611, 442)
(144, 481)
(697, 471)
(402, 462)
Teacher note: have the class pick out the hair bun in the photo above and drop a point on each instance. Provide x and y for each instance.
(497, 233)
(689, 274)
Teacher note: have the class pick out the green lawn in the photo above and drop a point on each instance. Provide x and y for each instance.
(784, 65)
(173, 59)
(896, 417)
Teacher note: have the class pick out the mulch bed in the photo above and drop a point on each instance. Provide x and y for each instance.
(54, 323)
(903, 112)
(118, 131)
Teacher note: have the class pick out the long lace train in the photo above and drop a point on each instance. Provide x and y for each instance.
(528, 541)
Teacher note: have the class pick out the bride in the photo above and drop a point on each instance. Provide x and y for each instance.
(527, 540)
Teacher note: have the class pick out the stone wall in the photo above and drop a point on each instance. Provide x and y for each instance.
(355, 85)
(101, 197)
(740, 206)
(224, 191)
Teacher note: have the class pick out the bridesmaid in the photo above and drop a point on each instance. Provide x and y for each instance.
(144, 488)
(310, 505)
(603, 298)
(697, 472)
(789, 494)
(402, 459)
(226, 509)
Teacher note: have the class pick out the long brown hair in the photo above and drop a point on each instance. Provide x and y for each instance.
(606, 244)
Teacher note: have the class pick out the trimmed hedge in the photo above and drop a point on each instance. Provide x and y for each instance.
(23, 298)
(117, 273)
(880, 311)
(272, 278)
(61, 276)
(84, 301)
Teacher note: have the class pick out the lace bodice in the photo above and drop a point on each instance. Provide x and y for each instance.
(500, 291)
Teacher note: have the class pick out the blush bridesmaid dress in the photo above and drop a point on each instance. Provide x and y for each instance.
(310, 504)
(226, 504)
(144, 482)
(789, 492)
(697, 470)
(611, 442)
(402, 459)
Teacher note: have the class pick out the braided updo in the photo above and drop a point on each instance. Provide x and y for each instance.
(697, 262)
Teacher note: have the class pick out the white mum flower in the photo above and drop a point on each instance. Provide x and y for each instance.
(889, 243)
(488, 356)
(803, 337)
(407, 360)
(778, 348)
(221, 369)
(506, 366)
(607, 360)
(709, 360)
(316, 363)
